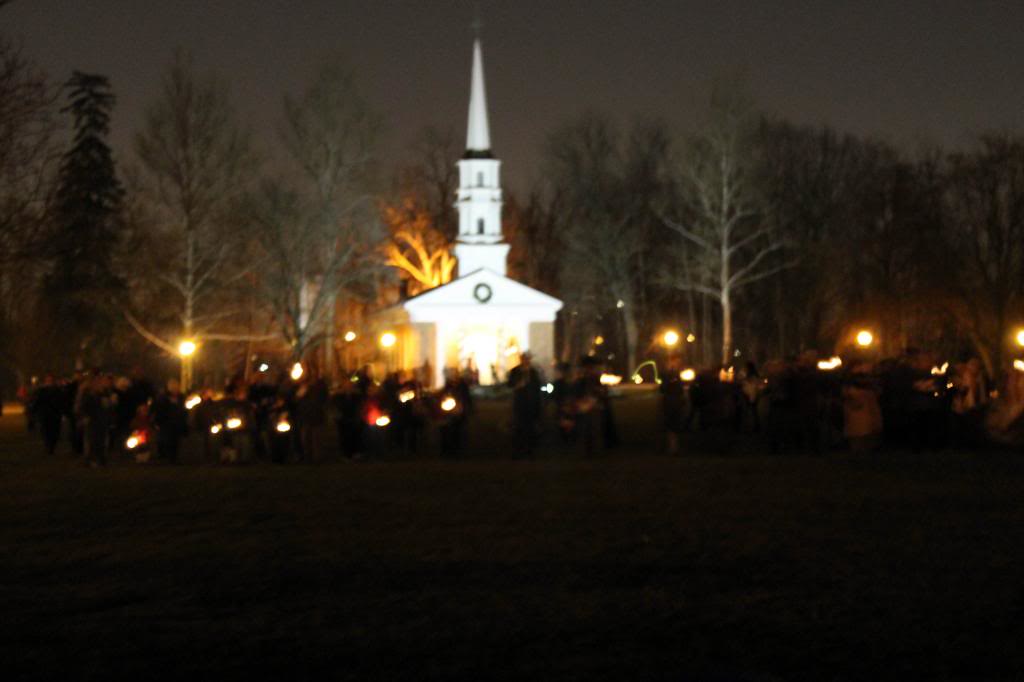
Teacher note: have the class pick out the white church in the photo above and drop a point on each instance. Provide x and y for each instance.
(482, 319)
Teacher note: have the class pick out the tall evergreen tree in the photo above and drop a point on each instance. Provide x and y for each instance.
(87, 214)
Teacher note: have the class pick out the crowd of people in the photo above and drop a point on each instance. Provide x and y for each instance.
(911, 402)
(804, 404)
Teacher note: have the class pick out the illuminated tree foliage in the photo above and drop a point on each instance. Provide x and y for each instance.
(420, 252)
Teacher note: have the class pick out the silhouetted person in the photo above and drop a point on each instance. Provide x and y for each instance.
(524, 380)
(170, 418)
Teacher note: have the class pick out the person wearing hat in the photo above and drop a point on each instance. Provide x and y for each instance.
(524, 380)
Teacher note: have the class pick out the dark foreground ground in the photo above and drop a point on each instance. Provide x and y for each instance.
(634, 566)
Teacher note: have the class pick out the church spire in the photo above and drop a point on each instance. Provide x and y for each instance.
(478, 134)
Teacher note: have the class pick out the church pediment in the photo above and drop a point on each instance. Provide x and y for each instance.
(486, 292)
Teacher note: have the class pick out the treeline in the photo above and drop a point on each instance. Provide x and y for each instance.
(755, 237)
(763, 238)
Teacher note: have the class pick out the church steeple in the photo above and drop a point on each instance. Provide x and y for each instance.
(480, 243)
(478, 133)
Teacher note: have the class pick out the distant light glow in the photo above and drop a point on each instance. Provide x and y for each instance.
(598, 340)
(832, 363)
(670, 338)
(192, 401)
(1018, 365)
(865, 338)
(388, 339)
(215, 429)
(383, 420)
(297, 371)
(620, 303)
(688, 374)
(548, 388)
(938, 371)
(264, 367)
(234, 423)
(449, 404)
(637, 379)
(186, 348)
(131, 443)
(690, 338)
(611, 379)
(350, 336)
(406, 396)
(283, 426)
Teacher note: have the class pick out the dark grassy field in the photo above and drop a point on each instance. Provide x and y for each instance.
(632, 566)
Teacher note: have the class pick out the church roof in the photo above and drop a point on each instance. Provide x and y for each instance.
(478, 133)
(485, 289)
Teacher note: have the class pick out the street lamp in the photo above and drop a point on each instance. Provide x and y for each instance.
(865, 338)
(186, 349)
(670, 338)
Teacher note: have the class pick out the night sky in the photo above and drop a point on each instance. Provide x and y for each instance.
(915, 72)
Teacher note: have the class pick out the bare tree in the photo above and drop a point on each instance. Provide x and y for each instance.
(196, 162)
(321, 237)
(725, 244)
(985, 209)
(607, 182)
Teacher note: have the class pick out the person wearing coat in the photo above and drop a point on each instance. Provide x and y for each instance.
(170, 417)
(862, 414)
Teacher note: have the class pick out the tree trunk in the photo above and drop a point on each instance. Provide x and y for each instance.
(726, 327)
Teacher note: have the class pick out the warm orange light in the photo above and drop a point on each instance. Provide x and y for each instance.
(865, 338)
(186, 348)
(192, 401)
(670, 338)
(350, 336)
(406, 396)
(610, 380)
(297, 371)
(215, 429)
(283, 427)
(383, 420)
(448, 404)
(131, 443)
(1020, 337)
(598, 340)
(688, 375)
(388, 339)
(234, 423)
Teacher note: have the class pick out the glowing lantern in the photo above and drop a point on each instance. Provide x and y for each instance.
(192, 401)
(449, 404)
(865, 338)
(383, 420)
(297, 371)
(610, 380)
(688, 375)
(283, 426)
(832, 363)
(215, 429)
(234, 423)
(388, 339)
